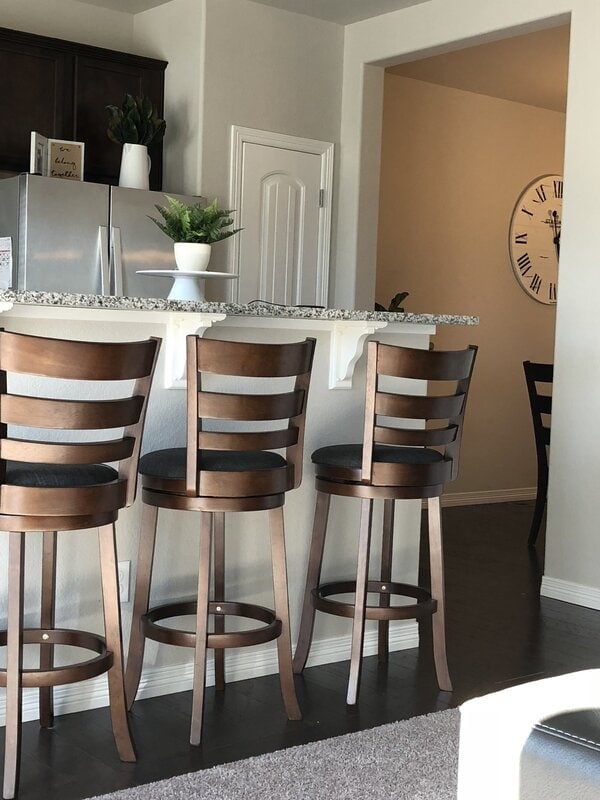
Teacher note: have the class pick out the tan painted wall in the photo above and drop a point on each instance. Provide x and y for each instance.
(453, 164)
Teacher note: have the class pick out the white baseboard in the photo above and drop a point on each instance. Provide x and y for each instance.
(241, 664)
(569, 592)
(489, 496)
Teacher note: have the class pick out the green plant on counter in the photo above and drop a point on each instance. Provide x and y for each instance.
(394, 303)
(193, 223)
(136, 121)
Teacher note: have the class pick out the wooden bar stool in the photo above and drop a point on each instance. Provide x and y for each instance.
(65, 485)
(228, 469)
(541, 412)
(401, 457)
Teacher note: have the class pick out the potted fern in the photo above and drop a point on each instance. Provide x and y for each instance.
(194, 229)
(136, 125)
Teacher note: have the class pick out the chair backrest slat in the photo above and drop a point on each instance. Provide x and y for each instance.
(263, 440)
(283, 413)
(42, 412)
(73, 360)
(417, 407)
(422, 437)
(65, 453)
(386, 409)
(213, 405)
(253, 360)
(427, 365)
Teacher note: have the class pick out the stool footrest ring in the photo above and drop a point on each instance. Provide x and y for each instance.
(71, 673)
(425, 605)
(217, 641)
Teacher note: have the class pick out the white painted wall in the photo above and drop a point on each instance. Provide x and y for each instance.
(175, 33)
(571, 551)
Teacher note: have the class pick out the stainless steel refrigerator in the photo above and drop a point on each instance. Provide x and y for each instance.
(80, 237)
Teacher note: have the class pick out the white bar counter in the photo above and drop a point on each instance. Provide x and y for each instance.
(335, 414)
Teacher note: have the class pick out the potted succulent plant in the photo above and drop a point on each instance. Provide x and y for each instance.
(135, 124)
(193, 229)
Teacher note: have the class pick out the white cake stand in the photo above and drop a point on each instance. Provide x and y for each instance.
(187, 285)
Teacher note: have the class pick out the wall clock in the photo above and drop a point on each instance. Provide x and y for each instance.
(534, 237)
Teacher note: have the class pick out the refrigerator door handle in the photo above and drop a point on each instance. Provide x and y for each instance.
(104, 266)
(116, 261)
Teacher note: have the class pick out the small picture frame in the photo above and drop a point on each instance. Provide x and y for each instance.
(38, 154)
(65, 159)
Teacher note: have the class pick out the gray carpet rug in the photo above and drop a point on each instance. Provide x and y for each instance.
(415, 759)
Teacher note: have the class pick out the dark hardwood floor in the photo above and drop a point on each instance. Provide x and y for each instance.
(499, 632)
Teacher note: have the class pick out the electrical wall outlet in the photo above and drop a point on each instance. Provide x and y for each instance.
(124, 570)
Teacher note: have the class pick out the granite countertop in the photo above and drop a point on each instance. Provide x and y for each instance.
(255, 309)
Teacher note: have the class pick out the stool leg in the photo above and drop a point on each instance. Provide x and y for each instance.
(282, 611)
(436, 562)
(360, 600)
(219, 570)
(201, 627)
(313, 577)
(114, 643)
(387, 545)
(14, 654)
(143, 577)
(47, 622)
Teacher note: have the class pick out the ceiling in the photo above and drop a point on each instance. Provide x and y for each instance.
(528, 69)
(340, 11)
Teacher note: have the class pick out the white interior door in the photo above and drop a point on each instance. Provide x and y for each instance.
(283, 250)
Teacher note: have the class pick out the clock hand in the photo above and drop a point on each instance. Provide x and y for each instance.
(556, 229)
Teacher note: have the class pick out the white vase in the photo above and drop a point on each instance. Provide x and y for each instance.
(135, 166)
(192, 256)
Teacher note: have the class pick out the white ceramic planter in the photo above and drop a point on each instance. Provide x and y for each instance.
(192, 256)
(135, 167)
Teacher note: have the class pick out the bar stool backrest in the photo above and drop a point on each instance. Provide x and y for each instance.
(386, 410)
(540, 402)
(207, 357)
(73, 361)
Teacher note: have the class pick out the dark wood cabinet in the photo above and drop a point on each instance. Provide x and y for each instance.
(61, 89)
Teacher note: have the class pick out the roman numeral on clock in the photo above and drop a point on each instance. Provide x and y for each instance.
(520, 238)
(541, 193)
(552, 293)
(558, 189)
(536, 283)
(526, 211)
(524, 263)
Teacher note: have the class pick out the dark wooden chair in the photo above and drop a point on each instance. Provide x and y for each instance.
(232, 468)
(66, 485)
(541, 411)
(394, 461)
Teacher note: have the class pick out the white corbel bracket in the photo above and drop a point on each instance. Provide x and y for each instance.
(178, 327)
(346, 347)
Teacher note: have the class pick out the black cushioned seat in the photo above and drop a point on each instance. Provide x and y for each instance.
(350, 455)
(58, 476)
(171, 463)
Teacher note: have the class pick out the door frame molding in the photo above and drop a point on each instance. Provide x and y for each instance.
(241, 136)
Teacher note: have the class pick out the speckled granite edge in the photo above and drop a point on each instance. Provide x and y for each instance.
(232, 309)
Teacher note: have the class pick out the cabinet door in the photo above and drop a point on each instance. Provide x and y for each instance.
(102, 81)
(36, 89)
